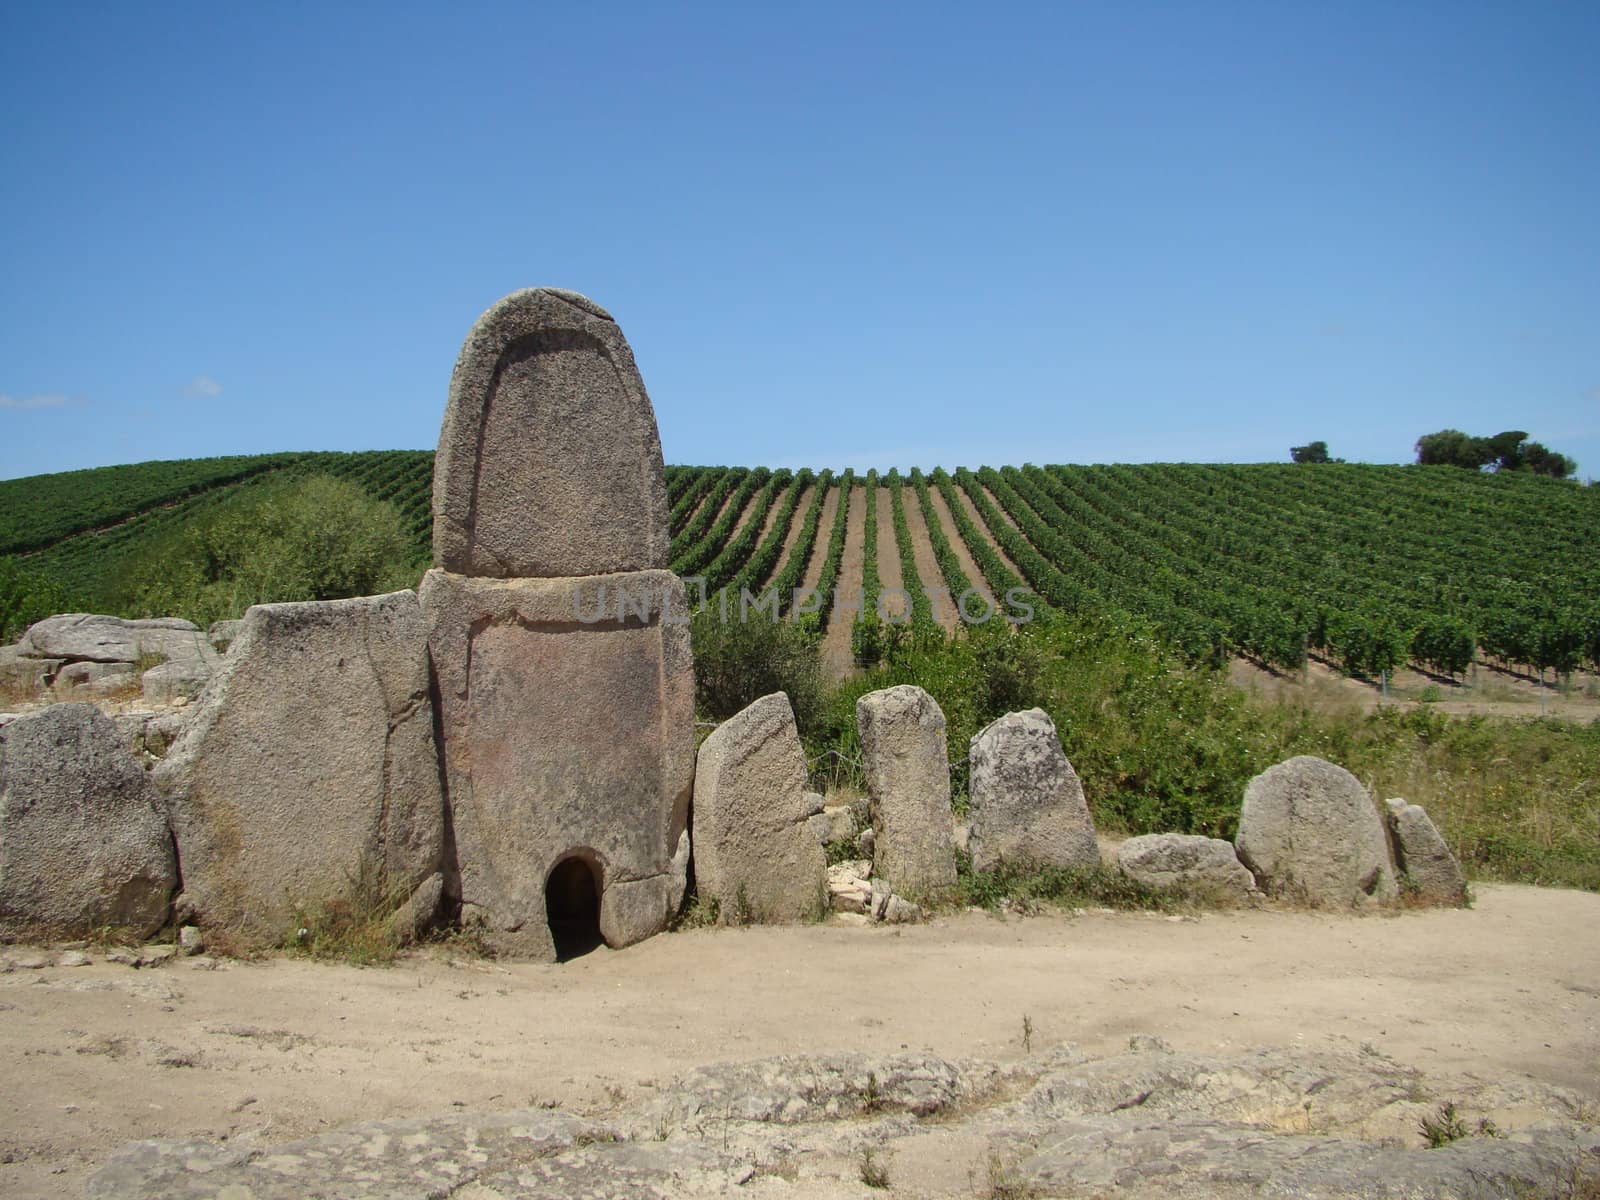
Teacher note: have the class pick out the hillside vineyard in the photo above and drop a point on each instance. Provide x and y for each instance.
(1366, 566)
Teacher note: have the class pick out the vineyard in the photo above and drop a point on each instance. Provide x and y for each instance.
(1367, 567)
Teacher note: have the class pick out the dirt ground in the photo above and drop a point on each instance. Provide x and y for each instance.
(262, 1052)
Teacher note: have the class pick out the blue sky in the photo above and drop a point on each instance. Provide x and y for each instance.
(836, 235)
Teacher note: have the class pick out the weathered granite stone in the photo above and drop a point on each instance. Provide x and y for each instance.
(222, 633)
(568, 727)
(24, 676)
(1028, 807)
(1148, 1122)
(83, 839)
(1422, 856)
(91, 637)
(308, 772)
(1164, 860)
(835, 824)
(81, 680)
(908, 778)
(549, 462)
(413, 1159)
(753, 850)
(184, 678)
(1309, 831)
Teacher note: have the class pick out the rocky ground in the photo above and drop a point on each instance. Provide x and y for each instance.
(1257, 1052)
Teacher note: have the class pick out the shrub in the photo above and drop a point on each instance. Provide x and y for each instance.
(26, 595)
(310, 538)
(737, 662)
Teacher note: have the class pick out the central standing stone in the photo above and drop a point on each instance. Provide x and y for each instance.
(560, 648)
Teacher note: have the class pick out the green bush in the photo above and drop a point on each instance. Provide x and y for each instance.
(26, 596)
(1159, 746)
(738, 661)
(310, 538)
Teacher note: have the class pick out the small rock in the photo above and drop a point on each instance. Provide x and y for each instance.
(852, 918)
(29, 962)
(1164, 860)
(866, 840)
(901, 912)
(848, 889)
(73, 958)
(189, 939)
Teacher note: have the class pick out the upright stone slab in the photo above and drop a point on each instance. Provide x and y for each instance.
(549, 462)
(1309, 831)
(1423, 857)
(560, 643)
(308, 772)
(1027, 802)
(754, 850)
(564, 738)
(83, 839)
(908, 778)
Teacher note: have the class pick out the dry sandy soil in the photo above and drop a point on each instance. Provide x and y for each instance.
(262, 1052)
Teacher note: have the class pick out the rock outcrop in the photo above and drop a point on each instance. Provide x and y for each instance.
(84, 843)
(754, 850)
(1028, 807)
(1144, 1122)
(308, 772)
(88, 655)
(908, 778)
(1309, 832)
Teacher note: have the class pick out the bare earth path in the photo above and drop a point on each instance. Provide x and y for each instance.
(792, 534)
(837, 660)
(894, 606)
(958, 544)
(978, 523)
(819, 550)
(262, 1052)
(944, 606)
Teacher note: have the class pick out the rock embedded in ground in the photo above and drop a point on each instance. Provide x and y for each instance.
(94, 637)
(1310, 833)
(1028, 807)
(907, 767)
(25, 676)
(85, 680)
(184, 678)
(308, 773)
(754, 850)
(1187, 861)
(1145, 1122)
(1423, 857)
(84, 843)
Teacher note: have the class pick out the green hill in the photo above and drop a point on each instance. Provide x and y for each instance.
(1367, 565)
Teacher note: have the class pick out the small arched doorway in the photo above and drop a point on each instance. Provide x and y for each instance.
(572, 906)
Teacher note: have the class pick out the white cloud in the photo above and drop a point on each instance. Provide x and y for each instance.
(202, 387)
(47, 400)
